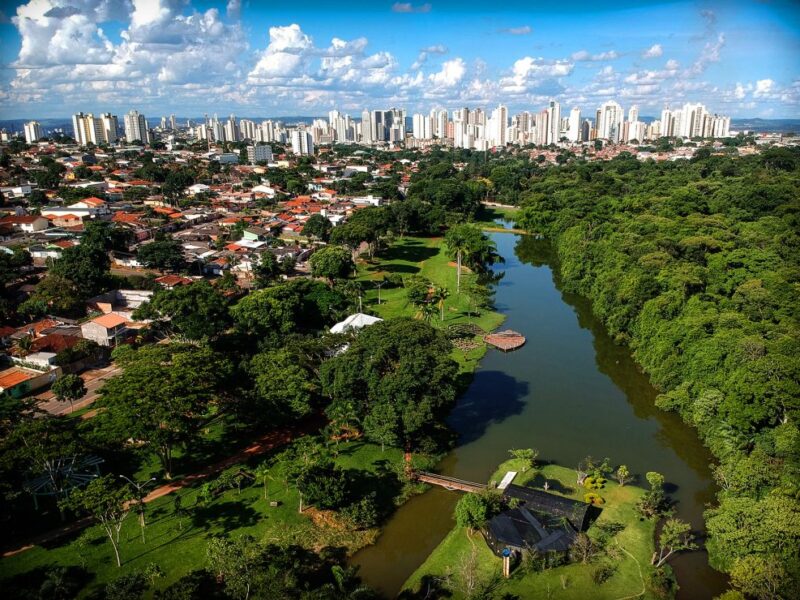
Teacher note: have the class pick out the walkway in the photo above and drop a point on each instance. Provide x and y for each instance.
(449, 483)
(274, 439)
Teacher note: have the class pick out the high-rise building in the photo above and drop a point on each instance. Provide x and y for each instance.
(609, 121)
(88, 129)
(173, 123)
(554, 122)
(110, 128)
(499, 128)
(302, 142)
(231, 130)
(33, 132)
(574, 125)
(136, 127)
(366, 127)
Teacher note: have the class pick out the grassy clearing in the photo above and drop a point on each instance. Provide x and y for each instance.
(631, 548)
(427, 257)
(178, 546)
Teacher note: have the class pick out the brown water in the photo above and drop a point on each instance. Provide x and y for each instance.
(570, 391)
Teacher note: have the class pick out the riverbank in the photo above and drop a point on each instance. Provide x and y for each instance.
(427, 257)
(623, 547)
(570, 391)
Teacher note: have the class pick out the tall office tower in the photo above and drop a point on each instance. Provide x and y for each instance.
(542, 127)
(163, 123)
(110, 127)
(136, 128)
(33, 132)
(377, 126)
(554, 122)
(499, 128)
(217, 130)
(420, 126)
(609, 121)
(586, 131)
(231, 130)
(633, 113)
(441, 124)
(333, 116)
(667, 123)
(173, 124)
(302, 142)
(366, 127)
(574, 125)
(267, 132)
(81, 129)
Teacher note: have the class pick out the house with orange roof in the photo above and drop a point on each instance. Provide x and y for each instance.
(68, 220)
(106, 330)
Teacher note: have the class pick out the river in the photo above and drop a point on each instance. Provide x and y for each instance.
(569, 392)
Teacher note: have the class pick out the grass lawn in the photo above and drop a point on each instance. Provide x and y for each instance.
(631, 548)
(427, 257)
(180, 546)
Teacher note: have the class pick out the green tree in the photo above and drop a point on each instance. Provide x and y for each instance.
(69, 388)
(106, 501)
(196, 312)
(380, 425)
(162, 254)
(318, 227)
(527, 456)
(675, 536)
(401, 362)
(474, 510)
(161, 396)
(622, 475)
(762, 577)
(332, 262)
(283, 387)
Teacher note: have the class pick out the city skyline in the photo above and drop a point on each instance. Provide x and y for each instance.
(739, 58)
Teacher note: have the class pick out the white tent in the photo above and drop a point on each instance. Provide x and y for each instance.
(356, 321)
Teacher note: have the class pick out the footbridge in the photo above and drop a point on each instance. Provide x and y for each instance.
(448, 483)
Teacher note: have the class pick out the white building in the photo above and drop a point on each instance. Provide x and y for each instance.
(302, 142)
(574, 125)
(136, 127)
(256, 154)
(33, 132)
(609, 121)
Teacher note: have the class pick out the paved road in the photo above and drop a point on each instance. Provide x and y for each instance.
(93, 380)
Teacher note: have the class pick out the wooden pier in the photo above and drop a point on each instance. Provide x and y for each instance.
(505, 340)
(449, 483)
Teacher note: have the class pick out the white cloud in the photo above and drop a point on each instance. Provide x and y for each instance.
(653, 51)
(764, 87)
(284, 53)
(584, 55)
(408, 7)
(522, 30)
(451, 73)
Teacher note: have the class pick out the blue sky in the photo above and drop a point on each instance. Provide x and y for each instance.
(305, 58)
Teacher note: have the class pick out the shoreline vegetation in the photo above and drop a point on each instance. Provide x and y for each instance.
(694, 266)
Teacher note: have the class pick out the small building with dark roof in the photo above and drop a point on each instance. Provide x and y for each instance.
(542, 521)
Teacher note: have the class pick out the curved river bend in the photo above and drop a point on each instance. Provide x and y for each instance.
(570, 391)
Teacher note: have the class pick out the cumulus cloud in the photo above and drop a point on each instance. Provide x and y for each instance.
(408, 7)
(764, 87)
(425, 53)
(653, 51)
(584, 55)
(451, 73)
(522, 30)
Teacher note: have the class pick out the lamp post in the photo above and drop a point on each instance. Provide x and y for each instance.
(139, 487)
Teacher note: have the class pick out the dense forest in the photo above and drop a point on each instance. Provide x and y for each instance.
(695, 265)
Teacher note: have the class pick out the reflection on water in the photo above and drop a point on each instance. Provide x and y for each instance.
(570, 391)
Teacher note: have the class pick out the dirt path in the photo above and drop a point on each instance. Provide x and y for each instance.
(274, 439)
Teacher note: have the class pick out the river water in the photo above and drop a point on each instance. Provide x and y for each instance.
(569, 392)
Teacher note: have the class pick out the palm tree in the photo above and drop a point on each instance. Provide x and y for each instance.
(426, 311)
(23, 345)
(459, 240)
(440, 295)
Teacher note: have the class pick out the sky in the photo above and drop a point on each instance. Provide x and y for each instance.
(296, 57)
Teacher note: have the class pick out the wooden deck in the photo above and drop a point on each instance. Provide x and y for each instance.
(448, 483)
(505, 340)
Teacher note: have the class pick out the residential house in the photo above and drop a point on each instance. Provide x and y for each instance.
(26, 223)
